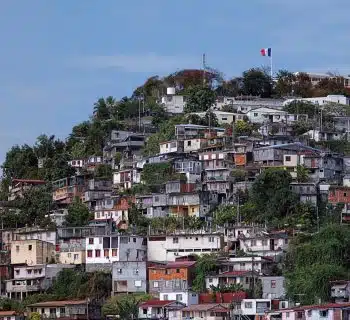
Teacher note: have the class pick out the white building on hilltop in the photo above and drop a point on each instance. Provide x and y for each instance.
(331, 98)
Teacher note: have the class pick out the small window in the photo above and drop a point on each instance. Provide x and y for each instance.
(324, 313)
(30, 247)
(144, 311)
(189, 143)
(114, 252)
(76, 256)
(179, 297)
(91, 240)
(17, 271)
(210, 280)
(273, 283)
(89, 253)
(69, 255)
(62, 311)
(136, 271)
(224, 119)
(155, 284)
(248, 305)
(97, 253)
(288, 158)
(345, 194)
(134, 239)
(287, 314)
(196, 238)
(255, 114)
(165, 297)
(175, 240)
(177, 270)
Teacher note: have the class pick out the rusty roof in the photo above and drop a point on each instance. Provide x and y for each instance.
(58, 303)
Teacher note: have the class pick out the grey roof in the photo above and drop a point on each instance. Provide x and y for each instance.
(292, 146)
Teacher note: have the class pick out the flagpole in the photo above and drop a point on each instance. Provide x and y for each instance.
(271, 74)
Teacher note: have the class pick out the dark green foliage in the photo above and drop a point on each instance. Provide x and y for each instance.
(204, 264)
(313, 261)
(257, 82)
(104, 172)
(225, 214)
(271, 193)
(301, 107)
(199, 99)
(78, 214)
(156, 174)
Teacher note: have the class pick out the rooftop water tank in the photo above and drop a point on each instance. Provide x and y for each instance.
(170, 91)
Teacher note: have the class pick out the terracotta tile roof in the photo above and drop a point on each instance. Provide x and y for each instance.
(156, 303)
(222, 307)
(7, 313)
(58, 303)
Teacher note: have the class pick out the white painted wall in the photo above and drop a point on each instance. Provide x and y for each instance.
(187, 297)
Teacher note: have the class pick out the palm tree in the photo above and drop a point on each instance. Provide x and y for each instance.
(104, 107)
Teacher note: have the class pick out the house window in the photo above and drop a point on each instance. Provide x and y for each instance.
(345, 194)
(253, 242)
(91, 240)
(165, 297)
(69, 254)
(224, 119)
(255, 114)
(273, 283)
(177, 270)
(137, 283)
(287, 314)
(324, 313)
(97, 253)
(62, 311)
(288, 158)
(211, 239)
(299, 315)
(76, 256)
(189, 143)
(210, 280)
(248, 305)
(196, 238)
(106, 252)
(175, 240)
(179, 297)
(264, 242)
(114, 252)
(30, 247)
(144, 311)
(119, 271)
(134, 239)
(155, 284)
(136, 271)
(17, 248)
(52, 311)
(17, 272)
(29, 271)
(89, 253)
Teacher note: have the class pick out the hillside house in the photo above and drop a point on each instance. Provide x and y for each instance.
(69, 309)
(209, 311)
(28, 280)
(340, 291)
(269, 115)
(129, 277)
(260, 265)
(273, 287)
(97, 190)
(32, 252)
(174, 146)
(189, 131)
(19, 186)
(67, 189)
(35, 233)
(307, 191)
(102, 251)
(173, 277)
(170, 247)
(174, 103)
(160, 309)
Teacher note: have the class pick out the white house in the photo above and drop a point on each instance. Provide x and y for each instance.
(253, 307)
(248, 263)
(114, 214)
(168, 248)
(195, 144)
(332, 98)
(36, 234)
(174, 103)
(171, 147)
(222, 116)
(186, 297)
(124, 179)
(263, 115)
(110, 248)
(160, 309)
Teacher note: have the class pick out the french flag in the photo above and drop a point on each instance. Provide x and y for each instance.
(266, 52)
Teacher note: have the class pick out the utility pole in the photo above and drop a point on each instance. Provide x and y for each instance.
(204, 67)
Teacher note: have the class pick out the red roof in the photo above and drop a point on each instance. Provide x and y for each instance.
(235, 273)
(7, 313)
(156, 303)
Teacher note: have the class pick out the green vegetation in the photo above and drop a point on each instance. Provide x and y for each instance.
(313, 261)
(205, 264)
(78, 214)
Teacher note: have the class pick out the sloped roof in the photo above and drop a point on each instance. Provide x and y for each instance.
(157, 303)
(58, 303)
(217, 307)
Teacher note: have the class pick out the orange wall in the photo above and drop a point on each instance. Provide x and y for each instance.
(159, 274)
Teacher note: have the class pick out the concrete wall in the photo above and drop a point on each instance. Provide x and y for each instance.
(133, 272)
(32, 252)
(273, 287)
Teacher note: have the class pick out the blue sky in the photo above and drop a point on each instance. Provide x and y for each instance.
(58, 57)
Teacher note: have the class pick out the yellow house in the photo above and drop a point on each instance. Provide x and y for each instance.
(73, 257)
(32, 252)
